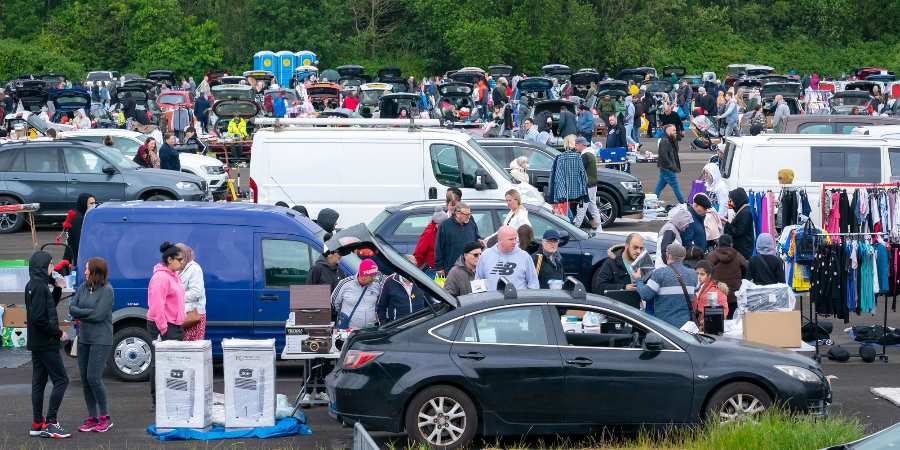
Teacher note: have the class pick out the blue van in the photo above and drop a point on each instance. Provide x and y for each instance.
(250, 255)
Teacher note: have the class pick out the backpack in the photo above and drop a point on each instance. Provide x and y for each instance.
(805, 241)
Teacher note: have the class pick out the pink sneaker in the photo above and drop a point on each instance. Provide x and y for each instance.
(88, 425)
(103, 424)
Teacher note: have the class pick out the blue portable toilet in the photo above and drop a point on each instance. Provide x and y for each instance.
(286, 64)
(306, 58)
(264, 60)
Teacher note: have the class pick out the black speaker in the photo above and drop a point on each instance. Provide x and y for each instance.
(714, 320)
(838, 353)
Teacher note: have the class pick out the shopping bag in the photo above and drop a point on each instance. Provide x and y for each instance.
(659, 133)
(439, 280)
(561, 209)
(645, 124)
(697, 186)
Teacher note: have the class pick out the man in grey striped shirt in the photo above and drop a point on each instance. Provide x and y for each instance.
(663, 292)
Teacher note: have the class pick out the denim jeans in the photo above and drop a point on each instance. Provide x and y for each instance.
(670, 178)
(629, 134)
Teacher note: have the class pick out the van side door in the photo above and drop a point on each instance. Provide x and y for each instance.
(452, 166)
(279, 262)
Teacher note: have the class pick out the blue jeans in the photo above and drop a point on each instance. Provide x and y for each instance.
(670, 178)
(629, 134)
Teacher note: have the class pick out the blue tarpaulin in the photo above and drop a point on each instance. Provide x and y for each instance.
(288, 426)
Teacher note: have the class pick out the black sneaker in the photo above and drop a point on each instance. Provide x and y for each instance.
(37, 429)
(54, 431)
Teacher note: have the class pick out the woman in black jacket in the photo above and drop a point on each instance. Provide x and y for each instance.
(85, 202)
(766, 267)
(741, 226)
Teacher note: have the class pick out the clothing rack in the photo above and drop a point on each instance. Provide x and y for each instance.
(829, 186)
(815, 315)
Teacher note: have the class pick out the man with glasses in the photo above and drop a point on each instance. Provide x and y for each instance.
(459, 279)
(616, 271)
(452, 237)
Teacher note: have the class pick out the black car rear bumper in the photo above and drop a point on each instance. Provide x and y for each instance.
(352, 400)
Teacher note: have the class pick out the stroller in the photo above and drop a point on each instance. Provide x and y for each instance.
(706, 133)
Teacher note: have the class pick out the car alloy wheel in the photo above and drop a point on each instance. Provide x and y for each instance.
(442, 421)
(740, 407)
(10, 223)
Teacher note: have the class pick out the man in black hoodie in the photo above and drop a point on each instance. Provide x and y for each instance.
(168, 156)
(669, 163)
(327, 219)
(44, 337)
(741, 226)
(326, 270)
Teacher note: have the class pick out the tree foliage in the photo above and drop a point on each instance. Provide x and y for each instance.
(431, 36)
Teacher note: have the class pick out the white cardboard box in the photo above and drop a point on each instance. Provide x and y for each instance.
(249, 382)
(184, 384)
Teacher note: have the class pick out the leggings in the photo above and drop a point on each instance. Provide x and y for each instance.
(92, 360)
(47, 364)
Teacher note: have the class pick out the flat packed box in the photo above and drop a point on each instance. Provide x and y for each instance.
(15, 316)
(184, 384)
(249, 382)
(775, 328)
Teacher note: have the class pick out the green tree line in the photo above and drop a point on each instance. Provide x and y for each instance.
(430, 36)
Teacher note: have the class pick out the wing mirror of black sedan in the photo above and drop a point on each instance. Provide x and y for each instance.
(110, 170)
(653, 343)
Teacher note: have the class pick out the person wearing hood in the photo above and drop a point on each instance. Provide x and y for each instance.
(672, 231)
(400, 297)
(518, 169)
(191, 275)
(165, 302)
(168, 156)
(741, 225)
(82, 121)
(548, 262)
(44, 341)
(708, 285)
(459, 279)
(729, 267)
(716, 188)
(695, 235)
(617, 269)
(326, 270)
(766, 267)
(327, 219)
(92, 306)
(424, 251)
(83, 205)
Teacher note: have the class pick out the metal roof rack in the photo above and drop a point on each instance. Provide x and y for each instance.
(506, 286)
(575, 288)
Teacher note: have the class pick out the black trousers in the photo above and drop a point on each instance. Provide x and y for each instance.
(173, 333)
(47, 364)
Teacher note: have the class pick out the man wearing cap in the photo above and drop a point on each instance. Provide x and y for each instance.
(355, 300)
(452, 236)
(459, 279)
(506, 259)
(326, 270)
(547, 261)
(424, 251)
(589, 159)
(664, 293)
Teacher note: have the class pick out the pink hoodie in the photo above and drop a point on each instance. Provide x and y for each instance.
(165, 298)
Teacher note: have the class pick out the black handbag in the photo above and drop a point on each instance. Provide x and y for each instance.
(805, 243)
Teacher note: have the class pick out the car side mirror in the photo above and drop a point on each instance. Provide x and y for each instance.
(653, 343)
(110, 170)
(483, 181)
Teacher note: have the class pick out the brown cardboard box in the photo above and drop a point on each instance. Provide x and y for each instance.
(314, 296)
(775, 328)
(14, 316)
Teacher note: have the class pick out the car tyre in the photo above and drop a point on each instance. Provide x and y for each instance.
(10, 223)
(609, 208)
(442, 417)
(736, 402)
(131, 355)
(158, 198)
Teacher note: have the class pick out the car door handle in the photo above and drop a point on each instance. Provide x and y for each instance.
(477, 356)
(269, 298)
(580, 362)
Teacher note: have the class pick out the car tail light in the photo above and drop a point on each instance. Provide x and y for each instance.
(356, 359)
(254, 191)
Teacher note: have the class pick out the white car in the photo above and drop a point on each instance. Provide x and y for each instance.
(126, 141)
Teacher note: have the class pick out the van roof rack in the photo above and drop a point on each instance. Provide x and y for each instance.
(411, 123)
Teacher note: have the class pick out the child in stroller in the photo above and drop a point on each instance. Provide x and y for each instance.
(705, 131)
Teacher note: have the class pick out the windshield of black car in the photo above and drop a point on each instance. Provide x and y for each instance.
(850, 101)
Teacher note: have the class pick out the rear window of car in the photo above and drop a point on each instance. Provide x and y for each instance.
(845, 164)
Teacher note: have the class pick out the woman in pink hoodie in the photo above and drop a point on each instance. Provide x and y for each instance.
(165, 302)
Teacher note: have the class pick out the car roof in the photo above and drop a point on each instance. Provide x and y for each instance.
(102, 132)
(808, 138)
(274, 219)
(485, 300)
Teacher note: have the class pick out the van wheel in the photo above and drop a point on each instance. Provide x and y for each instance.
(10, 223)
(131, 356)
(158, 198)
(609, 209)
(737, 402)
(441, 417)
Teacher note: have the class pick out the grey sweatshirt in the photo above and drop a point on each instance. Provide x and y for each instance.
(94, 309)
(516, 265)
(459, 279)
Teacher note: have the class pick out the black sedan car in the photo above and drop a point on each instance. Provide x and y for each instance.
(548, 362)
(618, 193)
(582, 252)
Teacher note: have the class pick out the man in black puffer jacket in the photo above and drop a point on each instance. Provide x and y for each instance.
(741, 226)
(612, 275)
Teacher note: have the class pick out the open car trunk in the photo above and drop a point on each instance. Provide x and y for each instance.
(162, 76)
(785, 89)
(225, 110)
(72, 100)
(500, 70)
(678, 71)
(552, 107)
(349, 71)
(468, 75)
(232, 91)
(389, 73)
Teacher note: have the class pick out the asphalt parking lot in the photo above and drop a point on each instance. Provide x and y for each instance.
(130, 402)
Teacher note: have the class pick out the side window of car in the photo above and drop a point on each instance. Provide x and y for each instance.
(540, 224)
(498, 154)
(540, 161)
(44, 160)
(815, 128)
(469, 167)
(589, 328)
(11, 161)
(413, 225)
(842, 164)
(893, 156)
(128, 147)
(445, 164)
(285, 262)
(521, 325)
(83, 161)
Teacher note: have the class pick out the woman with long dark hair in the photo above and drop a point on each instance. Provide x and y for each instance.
(165, 301)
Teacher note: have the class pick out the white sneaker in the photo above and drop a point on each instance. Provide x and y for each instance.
(323, 396)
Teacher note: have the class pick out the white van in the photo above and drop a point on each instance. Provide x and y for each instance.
(358, 171)
(753, 162)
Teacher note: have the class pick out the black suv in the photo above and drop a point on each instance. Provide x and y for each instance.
(618, 193)
(54, 173)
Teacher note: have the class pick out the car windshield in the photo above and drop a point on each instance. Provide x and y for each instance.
(99, 76)
(370, 97)
(116, 158)
(850, 101)
(171, 99)
(486, 156)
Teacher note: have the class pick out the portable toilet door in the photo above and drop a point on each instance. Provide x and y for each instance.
(264, 60)
(285, 67)
(306, 58)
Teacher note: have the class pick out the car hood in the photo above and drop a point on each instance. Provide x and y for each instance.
(786, 89)
(739, 347)
(72, 100)
(226, 109)
(534, 84)
(358, 236)
(198, 160)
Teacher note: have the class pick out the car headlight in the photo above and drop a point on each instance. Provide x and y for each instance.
(187, 186)
(214, 170)
(800, 373)
(632, 185)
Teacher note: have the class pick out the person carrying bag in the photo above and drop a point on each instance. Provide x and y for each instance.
(355, 299)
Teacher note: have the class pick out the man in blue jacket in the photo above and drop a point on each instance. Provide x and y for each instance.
(452, 237)
(168, 156)
(585, 123)
(399, 298)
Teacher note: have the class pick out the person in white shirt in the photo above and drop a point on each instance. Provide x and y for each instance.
(191, 276)
(517, 215)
